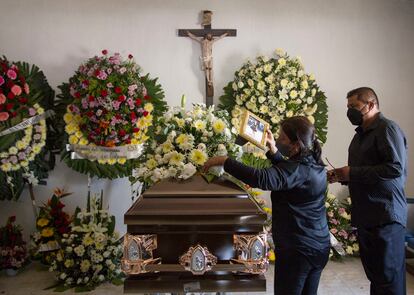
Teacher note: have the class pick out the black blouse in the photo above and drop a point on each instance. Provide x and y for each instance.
(298, 189)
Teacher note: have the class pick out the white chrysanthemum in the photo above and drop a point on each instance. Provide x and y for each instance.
(188, 170)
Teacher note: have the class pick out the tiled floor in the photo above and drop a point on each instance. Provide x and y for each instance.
(339, 278)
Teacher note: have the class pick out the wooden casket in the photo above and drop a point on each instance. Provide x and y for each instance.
(192, 236)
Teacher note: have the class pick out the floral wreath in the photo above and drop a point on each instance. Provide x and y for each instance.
(274, 89)
(25, 156)
(184, 141)
(107, 104)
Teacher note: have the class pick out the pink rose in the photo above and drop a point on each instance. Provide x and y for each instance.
(32, 112)
(334, 231)
(2, 98)
(1, 80)
(341, 210)
(11, 74)
(4, 116)
(16, 90)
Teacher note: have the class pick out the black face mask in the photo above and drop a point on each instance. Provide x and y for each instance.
(284, 149)
(355, 116)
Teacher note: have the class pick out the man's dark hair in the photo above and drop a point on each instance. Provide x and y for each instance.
(364, 94)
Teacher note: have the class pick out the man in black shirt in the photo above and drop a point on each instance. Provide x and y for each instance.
(376, 175)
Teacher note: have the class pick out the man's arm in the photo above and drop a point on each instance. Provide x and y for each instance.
(392, 149)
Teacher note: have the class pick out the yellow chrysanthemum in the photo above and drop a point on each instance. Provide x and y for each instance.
(151, 163)
(134, 141)
(111, 161)
(21, 145)
(79, 134)
(83, 141)
(37, 148)
(42, 222)
(182, 138)
(47, 232)
(6, 167)
(180, 122)
(87, 241)
(219, 126)
(24, 163)
(71, 128)
(167, 147)
(73, 139)
(282, 61)
(198, 157)
(149, 107)
(200, 125)
(122, 160)
(68, 117)
(142, 123)
(176, 158)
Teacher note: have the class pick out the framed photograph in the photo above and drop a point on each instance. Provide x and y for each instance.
(254, 129)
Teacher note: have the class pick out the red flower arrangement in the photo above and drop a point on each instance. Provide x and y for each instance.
(51, 224)
(13, 253)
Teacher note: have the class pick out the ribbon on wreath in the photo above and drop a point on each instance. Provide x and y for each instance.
(26, 123)
(131, 151)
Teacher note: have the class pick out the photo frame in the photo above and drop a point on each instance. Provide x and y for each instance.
(254, 129)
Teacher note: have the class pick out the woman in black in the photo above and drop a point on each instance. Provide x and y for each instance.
(297, 181)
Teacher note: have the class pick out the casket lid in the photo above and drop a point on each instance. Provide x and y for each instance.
(195, 186)
(195, 201)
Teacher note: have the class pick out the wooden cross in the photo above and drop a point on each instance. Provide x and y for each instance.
(206, 37)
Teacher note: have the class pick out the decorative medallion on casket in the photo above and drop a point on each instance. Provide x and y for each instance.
(138, 253)
(251, 251)
(198, 260)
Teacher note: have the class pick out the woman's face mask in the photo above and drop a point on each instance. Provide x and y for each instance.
(284, 145)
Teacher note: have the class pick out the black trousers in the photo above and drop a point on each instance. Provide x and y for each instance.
(382, 252)
(297, 273)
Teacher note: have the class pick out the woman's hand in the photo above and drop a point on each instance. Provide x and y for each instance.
(214, 161)
(270, 142)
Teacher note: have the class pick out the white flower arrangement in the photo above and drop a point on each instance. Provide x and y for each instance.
(90, 253)
(275, 89)
(25, 150)
(184, 141)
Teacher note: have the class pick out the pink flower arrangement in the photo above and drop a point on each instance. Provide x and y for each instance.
(109, 106)
(338, 215)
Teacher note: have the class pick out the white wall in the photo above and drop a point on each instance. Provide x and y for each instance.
(346, 44)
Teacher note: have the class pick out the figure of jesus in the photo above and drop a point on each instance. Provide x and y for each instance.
(207, 53)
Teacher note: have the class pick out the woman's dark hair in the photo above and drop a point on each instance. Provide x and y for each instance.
(300, 129)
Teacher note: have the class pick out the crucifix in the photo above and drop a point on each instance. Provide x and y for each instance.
(206, 37)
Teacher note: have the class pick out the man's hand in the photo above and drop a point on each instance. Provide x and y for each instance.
(338, 175)
(214, 161)
(270, 142)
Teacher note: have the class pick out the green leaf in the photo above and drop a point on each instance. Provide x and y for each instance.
(208, 177)
(111, 226)
(117, 281)
(80, 289)
(61, 288)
